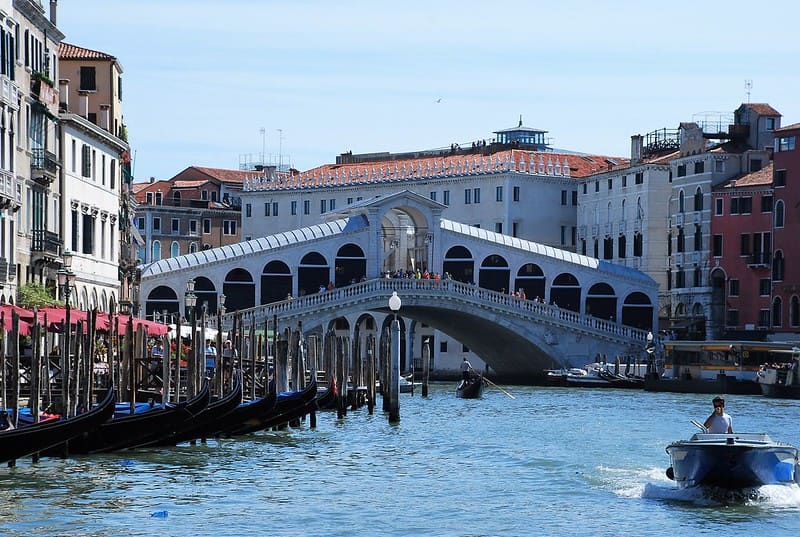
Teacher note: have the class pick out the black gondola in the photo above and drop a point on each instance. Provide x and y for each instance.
(327, 399)
(17, 443)
(470, 388)
(287, 406)
(207, 422)
(140, 429)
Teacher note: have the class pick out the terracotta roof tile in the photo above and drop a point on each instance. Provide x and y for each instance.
(762, 109)
(793, 126)
(463, 164)
(74, 52)
(762, 177)
(194, 173)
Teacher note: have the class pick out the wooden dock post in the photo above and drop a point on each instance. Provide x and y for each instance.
(394, 374)
(371, 378)
(426, 366)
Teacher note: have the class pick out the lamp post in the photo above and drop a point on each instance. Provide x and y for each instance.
(219, 373)
(66, 279)
(190, 301)
(394, 368)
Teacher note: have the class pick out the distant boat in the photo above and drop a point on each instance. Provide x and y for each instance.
(731, 461)
(471, 388)
(781, 380)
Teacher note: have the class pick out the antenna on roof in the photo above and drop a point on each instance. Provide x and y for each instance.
(263, 132)
(748, 84)
(520, 120)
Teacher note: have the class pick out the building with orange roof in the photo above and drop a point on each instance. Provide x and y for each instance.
(655, 214)
(513, 183)
(197, 209)
(95, 179)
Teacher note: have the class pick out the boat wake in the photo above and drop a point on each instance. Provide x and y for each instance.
(652, 484)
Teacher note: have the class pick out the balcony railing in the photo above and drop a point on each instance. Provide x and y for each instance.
(45, 242)
(41, 159)
(759, 260)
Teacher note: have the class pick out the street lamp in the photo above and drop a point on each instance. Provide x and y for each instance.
(66, 280)
(190, 301)
(394, 369)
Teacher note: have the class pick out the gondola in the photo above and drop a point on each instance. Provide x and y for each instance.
(327, 399)
(139, 429)
(38, 437)
(205, 424)
(288, 406)
(470, 388)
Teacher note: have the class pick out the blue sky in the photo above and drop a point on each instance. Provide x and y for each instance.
(203, 78)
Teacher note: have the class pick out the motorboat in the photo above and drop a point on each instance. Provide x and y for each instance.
(731, 461)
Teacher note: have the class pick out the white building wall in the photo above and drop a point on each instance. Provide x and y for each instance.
(94, 198)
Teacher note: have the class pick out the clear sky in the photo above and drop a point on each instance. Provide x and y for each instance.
(204, 79)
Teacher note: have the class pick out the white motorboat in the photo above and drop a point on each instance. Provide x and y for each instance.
(731, 461)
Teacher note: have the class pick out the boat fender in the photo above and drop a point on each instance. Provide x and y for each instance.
(671, 473)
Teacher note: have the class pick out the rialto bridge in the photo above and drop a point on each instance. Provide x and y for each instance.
(340, 274)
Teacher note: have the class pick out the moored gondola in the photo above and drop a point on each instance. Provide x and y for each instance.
(139, 429)
(287, 407)
(205, 424)
(38, 437)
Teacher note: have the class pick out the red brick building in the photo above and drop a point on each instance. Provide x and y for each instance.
(785, 272)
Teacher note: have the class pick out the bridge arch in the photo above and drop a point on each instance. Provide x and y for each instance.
(637, 311)
(494, 273)
(162, 298)
(206, 293)
(565, 292)
(350, 265)
(313, 272)
(601, 301)
(530, 277)
(239, 290)
(276, 281)
(459, 263)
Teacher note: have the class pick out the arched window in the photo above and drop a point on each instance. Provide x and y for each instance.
(779, 213)
(639, 210)
(156, 251)
(175, 249)
(794, 311)
(596, 215)
(681, 202)
(623, 210)
(777, 311)
(608, 212)
(778, 267)
(193, 248)
(698, 199)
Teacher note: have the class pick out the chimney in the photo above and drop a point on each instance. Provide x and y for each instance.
(152, 180)
(53, 9)
(637, 143)
(105, 115)
(83, 104)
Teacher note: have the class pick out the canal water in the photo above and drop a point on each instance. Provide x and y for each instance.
(551, 461)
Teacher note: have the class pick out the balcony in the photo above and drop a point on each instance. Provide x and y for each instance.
(759, 260)
(679, 219)
(9, 197)
(46, 242)
(637, 226)
(44, 165)
(595, 230)
(608, 228)
(582, 232)
(622, 226)
(8, 272)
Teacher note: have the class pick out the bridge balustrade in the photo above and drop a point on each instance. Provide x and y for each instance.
(409, 289)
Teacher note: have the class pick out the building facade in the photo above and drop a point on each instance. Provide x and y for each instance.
(94, 176)
(198, 209)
